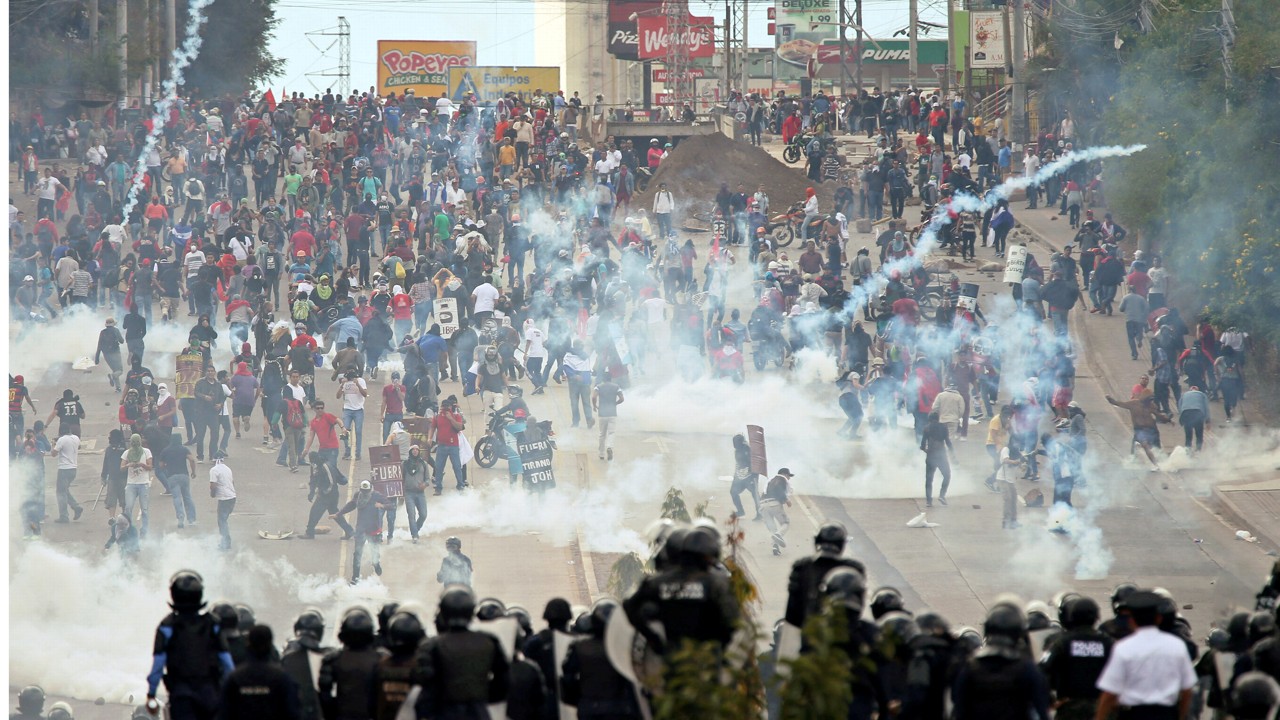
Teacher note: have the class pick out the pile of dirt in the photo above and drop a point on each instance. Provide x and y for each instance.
(697, 166)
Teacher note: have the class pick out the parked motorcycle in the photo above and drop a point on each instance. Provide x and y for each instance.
(794, 152)
(784, 227)
(493, 446)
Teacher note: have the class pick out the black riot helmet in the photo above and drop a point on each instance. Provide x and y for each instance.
(31, 699)
(404, 633)
(1038, 615)
(1005, 624)
(969, 638)
(701, 547)
(186, 591)
(60, 711)
(1082, 612)
(1255, 695)
(1218, 640)
(457, 605)
(672, 547)
(1262, 625)
(356, 629)
(601, 611)
(225, 614)
(846, 587)
(931, 623)
(246, 617)
(831, 537)
(886, 600)
(581, 625)
(309, 623)
(1238, 631)
(490, 609)
(524, 619)
(1122, 591)
(1061, 601)
(384, 615)
(898, 627)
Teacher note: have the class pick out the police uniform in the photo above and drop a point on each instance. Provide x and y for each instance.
(807, 573)
(392, 680)
(301, 661)
(346, 682)
(461, 673)
(260, 690)
(1072, 663)
(590, 684)
(191, 655)
(691, 603)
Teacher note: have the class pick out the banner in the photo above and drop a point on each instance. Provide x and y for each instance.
(885, 52)
(624, 37)
(802, 25)
(493, 83)
(535, 460)
(660, 74)
(421, 65)
(189, 370)
(655, 37)
(446, 310)
(986, 39)
(384, 470)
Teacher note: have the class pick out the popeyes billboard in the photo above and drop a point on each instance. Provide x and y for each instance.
(421, 65)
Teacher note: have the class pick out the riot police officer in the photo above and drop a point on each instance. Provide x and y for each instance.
(402, 633)
(346, 675)
(1119, 627)
(999, 682)
(935, 656)
(1074, 659)
(30, 703)
(190, 653)
(1266, 597)
(690, 600)
(807, 573)
(846, 590)
(301, 660)
(886, 600)
(385, 613)
(1255, 697)
(259, 689)
(229, 619)
(540, 648)
(460, 671)
(589, 682)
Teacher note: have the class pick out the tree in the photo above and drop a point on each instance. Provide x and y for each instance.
(234, 54)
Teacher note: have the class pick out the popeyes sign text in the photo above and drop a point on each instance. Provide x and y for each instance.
(421, 65)
(655, 37)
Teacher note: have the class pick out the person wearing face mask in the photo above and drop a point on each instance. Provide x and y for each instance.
(489, 376)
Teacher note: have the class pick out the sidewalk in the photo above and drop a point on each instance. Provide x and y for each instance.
(1253, 498)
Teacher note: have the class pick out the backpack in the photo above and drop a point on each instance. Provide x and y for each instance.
(397, 269)
(301, 309)
(293, 416)
(1193, 366)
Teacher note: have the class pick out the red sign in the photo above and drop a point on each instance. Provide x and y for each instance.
(831, 54)
(655, 37)
(623, 37)
(660, 74)
(384, 470)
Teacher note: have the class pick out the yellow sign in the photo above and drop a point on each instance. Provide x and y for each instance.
(421, 65)
(492, 83)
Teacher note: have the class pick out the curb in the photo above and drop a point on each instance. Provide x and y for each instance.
(1268, 533)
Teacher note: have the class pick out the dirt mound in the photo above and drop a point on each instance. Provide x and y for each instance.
(696, 167)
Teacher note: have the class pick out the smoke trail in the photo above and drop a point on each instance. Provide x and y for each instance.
(182, 59)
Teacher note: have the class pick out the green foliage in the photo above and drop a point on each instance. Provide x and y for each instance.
(674, 507)
(818, 683)
(626, 575)
(234, 55)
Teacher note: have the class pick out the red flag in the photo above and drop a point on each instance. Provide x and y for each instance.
(222, 291)
(270, 100)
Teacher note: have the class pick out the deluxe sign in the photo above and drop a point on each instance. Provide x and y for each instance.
(493, 83)
(655, 37)
(421, 65)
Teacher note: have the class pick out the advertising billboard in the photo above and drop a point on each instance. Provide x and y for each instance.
(624, 33)
(986, 39)
(802, 25)
(421, 65)
(655, 37)
(491, 83)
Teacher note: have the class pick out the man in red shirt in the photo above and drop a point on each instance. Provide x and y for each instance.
(392, 403)
(444, 431)
(303, 242)
(401, 311)
(324, 429)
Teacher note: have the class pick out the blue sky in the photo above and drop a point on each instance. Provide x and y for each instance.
(503, 30)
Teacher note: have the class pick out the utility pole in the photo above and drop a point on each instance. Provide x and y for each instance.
(728, 52)
(170, 36)
(1018, 127)
(913, 65)
(857, 10)
(148, 51)
(745, 43)
(951, 44)
(122, 47)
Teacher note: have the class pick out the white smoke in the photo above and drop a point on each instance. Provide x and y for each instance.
(182, 59)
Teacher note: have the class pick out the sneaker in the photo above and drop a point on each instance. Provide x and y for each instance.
(79, 511)
(778, 540)
(377, 568)
(928, 503)
(601, 457)
(62, 520)
(437, 493)
(266, 439)
(346, 536)
(181, 526)
(991, 485)
(237, 436)
(307, 536)
(538, 391)
(942, 499)
(609, 452)
(777, 550)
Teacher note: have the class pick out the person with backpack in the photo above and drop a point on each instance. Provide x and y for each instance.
(293, 422)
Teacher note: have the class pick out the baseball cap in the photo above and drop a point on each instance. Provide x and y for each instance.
(366, 485)
(787, 472)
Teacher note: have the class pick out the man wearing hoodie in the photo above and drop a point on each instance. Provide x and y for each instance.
(368, 505)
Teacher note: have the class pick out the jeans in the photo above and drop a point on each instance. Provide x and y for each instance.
(375, 550)
(897, 201)
(1059, 318)
(607, 426)
(330, 458)
(936, 462)
(1010, 514)
(454, 455)
(1134, 332)
(224, 425)
(66, 476)
(415, 506)
(138, 494)
(536, 376)
(291, 447)
(387, 421)
(664, 224)
(224, 511)
(350, 417)
(1193, 424)
(750, 483)
(580, 395)
(180, 486)
(205, 421)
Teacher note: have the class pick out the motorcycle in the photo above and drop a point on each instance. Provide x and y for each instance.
(643, 176)
(767, 343)
(493, 446)
(794, 152)
(784, 227)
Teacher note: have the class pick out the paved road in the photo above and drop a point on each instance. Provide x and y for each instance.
(82, 624)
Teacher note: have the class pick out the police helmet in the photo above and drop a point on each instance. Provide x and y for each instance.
(1082, 612)
(601, 611)
(310, 622)
(886, 600)
(1122, 591)
(831, 536)
(672, 547)
(245, 615)
(845, 586)
(899, 626)
(1061, 601)
(581, 625)
(1218, 640)
(186, 590)
(702, 546)
(457, 605)
(385, 614)
(356, 628)
(1038, 615)
(1005, 623)
(1238, 631)
(1255, 695)
(931, 623)
(1262, 625)
(31, 699)
(523, 619)
(60, 711)
(557, 611)
(404, 632)
(225, 614)
(490, 609)
(969, 638)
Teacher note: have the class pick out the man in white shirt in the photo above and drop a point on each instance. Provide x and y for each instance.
(47, 194)
(138, 464)
(664, 204)
(535, 356)
(67, 449)
(482, 301)
(352, 394)
(1031, 166)
(222, 488)
(1149, 674)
